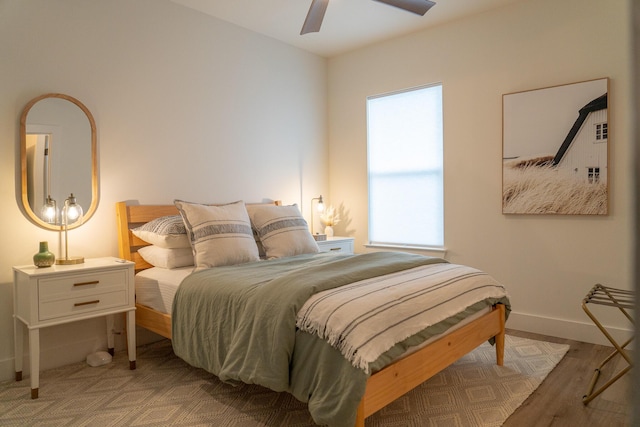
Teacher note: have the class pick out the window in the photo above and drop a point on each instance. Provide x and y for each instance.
(601, 132)
(405, 167)
(593, 175)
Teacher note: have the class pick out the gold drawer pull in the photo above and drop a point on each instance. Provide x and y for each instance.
(335, 249)
(79, 304)
(93, 282)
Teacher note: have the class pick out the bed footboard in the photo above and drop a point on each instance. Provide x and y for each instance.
(404, 375)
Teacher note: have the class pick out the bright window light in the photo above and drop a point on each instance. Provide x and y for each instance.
(405, 167)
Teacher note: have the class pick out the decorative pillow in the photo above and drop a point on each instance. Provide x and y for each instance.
(167, 258)
(166, 232)
(282, 230)
(219, 235)
(250, 207)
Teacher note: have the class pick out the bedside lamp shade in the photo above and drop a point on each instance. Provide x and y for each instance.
(319, 207)
(49, 211)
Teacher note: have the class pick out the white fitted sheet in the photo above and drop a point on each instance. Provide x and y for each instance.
(156, 287)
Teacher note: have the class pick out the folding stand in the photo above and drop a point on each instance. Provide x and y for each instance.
(623, 300)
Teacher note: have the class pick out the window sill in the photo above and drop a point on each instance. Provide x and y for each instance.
(432, 251)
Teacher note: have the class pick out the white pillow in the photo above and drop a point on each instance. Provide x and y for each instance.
(167, 258)
(282, 230)
(166, 232)
(219, 235)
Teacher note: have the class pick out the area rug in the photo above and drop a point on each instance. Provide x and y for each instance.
(165, 391)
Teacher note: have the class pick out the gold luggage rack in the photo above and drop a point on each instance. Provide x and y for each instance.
(623, 300)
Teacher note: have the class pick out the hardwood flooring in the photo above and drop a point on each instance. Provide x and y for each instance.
(558, 400)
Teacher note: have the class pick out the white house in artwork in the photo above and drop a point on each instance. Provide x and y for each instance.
(584, 150)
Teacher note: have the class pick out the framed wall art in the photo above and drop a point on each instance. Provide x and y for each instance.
(555, 150)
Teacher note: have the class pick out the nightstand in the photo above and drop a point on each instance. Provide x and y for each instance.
(340, 244)
(60, 294)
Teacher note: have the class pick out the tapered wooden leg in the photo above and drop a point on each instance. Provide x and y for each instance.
(34, 361)
(110, 338)
(131, 338)
(18, 331)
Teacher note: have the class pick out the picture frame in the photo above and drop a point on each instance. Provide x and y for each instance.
(555, 155)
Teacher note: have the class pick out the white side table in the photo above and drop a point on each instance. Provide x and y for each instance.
(336, 243)
(60, 294)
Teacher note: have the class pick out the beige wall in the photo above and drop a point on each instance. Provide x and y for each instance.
(548, 263)
(186, 106)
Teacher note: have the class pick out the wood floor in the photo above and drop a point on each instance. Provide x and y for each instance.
(558, 400)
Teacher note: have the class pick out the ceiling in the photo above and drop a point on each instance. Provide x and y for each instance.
(347, 25)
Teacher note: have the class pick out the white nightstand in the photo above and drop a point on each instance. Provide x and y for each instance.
(339, 244)
(67, 293)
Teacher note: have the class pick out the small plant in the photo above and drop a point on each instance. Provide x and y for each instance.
(329, 217)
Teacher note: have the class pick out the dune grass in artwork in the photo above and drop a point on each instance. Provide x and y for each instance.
(547, 190)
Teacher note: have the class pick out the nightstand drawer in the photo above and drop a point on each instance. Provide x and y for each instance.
(337, 244)
(81, 285)
(62, 307)
(73, 294)
(333, 247)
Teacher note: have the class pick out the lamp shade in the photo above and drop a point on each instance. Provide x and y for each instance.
(49, 211)
(320, 205)
(319, 208)
(72, 211)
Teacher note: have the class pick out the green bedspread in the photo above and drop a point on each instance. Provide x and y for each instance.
(239, 323)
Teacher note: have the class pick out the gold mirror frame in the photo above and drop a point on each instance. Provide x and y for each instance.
(26, 207)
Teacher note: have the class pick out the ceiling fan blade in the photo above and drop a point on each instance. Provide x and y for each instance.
(419, 7)
(315, 16)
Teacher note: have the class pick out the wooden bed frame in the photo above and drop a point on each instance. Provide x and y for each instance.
(384, 386)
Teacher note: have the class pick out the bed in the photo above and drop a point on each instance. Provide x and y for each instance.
(380, 386)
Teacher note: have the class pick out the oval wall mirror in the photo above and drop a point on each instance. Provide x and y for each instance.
(58, 156)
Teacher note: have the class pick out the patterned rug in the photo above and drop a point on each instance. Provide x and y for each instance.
(165, 391)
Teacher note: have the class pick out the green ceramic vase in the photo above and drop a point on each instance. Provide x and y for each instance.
(44, 258)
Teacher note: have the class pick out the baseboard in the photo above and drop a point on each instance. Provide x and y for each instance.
(561, 328)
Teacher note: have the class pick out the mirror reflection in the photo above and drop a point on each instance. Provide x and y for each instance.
(58, 150)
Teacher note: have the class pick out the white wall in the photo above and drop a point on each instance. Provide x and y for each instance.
(186, 106)
(548, 263)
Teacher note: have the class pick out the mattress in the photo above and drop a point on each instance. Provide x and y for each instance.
(156, 287)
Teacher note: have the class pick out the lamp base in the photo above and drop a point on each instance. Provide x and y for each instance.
(70, 260)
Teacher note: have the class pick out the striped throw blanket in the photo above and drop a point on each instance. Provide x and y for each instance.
(366, 318)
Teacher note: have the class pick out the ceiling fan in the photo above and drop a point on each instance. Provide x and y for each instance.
(318, 7)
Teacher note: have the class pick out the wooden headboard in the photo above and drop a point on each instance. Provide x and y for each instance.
(133, 216)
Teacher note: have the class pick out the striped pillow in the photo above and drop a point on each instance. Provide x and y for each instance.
(166, 232)
(282, 230)
(219, 235)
